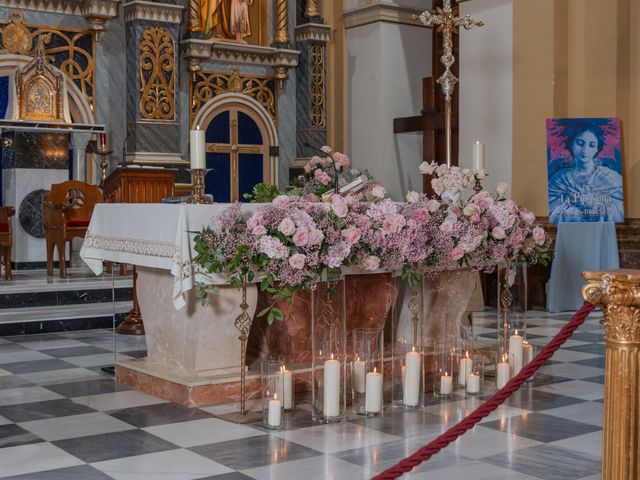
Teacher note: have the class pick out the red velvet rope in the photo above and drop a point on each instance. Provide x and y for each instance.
(490, 405)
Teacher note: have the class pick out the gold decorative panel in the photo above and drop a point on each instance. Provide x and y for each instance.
(157, 74)
(208, 85)
(317, 85)
(39, 89)
(71, 50)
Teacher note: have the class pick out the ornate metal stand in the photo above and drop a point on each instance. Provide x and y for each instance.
(104, 152)
(477, 187)
(415, 308)
(197, 193)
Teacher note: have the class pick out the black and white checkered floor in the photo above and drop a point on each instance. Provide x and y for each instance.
(62, 418)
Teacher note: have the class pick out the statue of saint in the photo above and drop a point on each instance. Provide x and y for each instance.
(213, 19)
(239, 27)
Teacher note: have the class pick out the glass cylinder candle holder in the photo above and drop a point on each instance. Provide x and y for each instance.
(529, 352)
(511, 337)
(445, 367)
(366, 363)
(504, 363)
(284, 386)
(464, 365)
(272, 402)
(407, 346)
(475, 375)
(328, 350)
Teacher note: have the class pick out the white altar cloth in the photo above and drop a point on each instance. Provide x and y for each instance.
(151, 235)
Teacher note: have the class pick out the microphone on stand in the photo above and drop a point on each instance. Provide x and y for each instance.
(335, 169)
(124, 151)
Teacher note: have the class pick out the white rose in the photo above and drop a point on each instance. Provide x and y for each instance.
(437, 185)
(427, 168)
(287, 227)
(502, 188)
(469, 210)
(281, 200)
(371, 263)
(340, 209)
(412, 197)
(378, 191)
(466, 172)
(498, 233)
(433, 205)
(315, 237)
(297, 261)
(446, 227)
(481, 174)
(259, 230)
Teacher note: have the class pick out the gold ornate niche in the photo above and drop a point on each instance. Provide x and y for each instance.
(157, 74)
(39, 88)
(208, 85)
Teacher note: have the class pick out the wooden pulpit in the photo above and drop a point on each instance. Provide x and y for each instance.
(138, 185)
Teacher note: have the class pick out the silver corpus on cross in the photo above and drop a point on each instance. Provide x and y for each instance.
(446, 20)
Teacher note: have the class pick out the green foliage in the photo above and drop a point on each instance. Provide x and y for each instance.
(262, 193)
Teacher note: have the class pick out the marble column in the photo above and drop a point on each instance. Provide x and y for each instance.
(79, 141)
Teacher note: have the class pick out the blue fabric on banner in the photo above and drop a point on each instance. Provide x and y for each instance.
(579, 247)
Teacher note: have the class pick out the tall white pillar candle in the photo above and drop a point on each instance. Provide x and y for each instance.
(274, 418)
(446, 384)
(197, 149)
(515, 349)
(503, 372)
(331, 405)
(465, 366)
(527, 350)
(473, 383)
(284, 385)
(412, 366)
(358, 372)
(373, 397)
(402, 372)
(478, 156)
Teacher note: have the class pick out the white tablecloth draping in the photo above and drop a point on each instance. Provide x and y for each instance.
(150, 235)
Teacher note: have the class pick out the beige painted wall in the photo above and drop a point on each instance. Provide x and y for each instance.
(573, 58)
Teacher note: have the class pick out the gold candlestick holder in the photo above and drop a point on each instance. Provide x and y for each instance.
(477, 187)
(197, 190)
(103, 151)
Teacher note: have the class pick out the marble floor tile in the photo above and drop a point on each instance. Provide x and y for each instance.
(170, 465)
(336, 437)
(11, 396)
(589, 443)
(49, 344)
(571, 370)
(316, 468)
(565, 355)
(4, 373)
(402, 423)
(599, 379)
(36, 457)
(81, 472)
(116, 401)
(159, 414)
(75, 351)
(575, 388)
(549, 462)
(14, 435)
(541, 427)
(96, 360)
(38, 337)
(26, 412)
(475, 470)
(596, 476)
(74, 426)
(61, 376)
(588, 337)
(86, 388)
(597, 362)
(586, 412)
(13, 381)
(254, 452)
(37, 366)
(598, 348)
(202, 432)
(571, 343)
(21, 356)
(483, 442)
(4, 420)
(10, 347)
(546, 331)
(227, 476)
(109, 446)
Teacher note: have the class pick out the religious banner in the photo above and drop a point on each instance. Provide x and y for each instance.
(584, 165)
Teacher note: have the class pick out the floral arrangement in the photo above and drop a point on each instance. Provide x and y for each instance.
(290, 243)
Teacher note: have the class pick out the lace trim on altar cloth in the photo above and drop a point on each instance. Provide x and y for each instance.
(152, 248)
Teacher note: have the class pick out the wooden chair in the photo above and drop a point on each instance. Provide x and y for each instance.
(6, 239)
(67, 212)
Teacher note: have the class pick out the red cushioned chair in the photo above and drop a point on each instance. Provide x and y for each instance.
(67, 212)
(6, 239)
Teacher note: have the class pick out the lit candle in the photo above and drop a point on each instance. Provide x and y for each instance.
(527, 349)
(465, 366)
(197, 148)
(274, 418)
(515, 349)
(446, 384)
(284, 387)
(503, 372)
(411, 390)
(373, 398)
(358, 373)
(331, 407)
(478, 156)
(473, 383)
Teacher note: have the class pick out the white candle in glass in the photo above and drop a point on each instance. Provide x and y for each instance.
(412, 367)
(402, 371)
(473, 383)
(358, 372)
(478, 156)
(331, 405)
(515, 349)
(446, 384)
(274, 418)
(503, 372)
(284, 385)
(373, 397)
(527, 350)
(197, 149)
(465, 366)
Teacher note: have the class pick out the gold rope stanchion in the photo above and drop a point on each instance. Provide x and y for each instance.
(617, 292)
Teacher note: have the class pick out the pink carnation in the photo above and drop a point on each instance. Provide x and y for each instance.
(300, 238)
(456, 253)
(297, 261)
(351, 235)
(342, 160)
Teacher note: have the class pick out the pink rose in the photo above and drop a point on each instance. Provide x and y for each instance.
(371, 263)
(322, 177)
(539, 236)
(297, 261)
(281, 200)
(259, 230)
(287, 227)
(446, 227)
(325, 149)
(437, 185)
(469, 210)
(456, 253)
(342, 161)
(301, 238)
(502, 188)
(498, 233)
(433, 205)
(422, 216)
(481, 174)
(315, 237)
(351, 235)
(255, 219)
(339, 206)
(378, 191)
(527, 217)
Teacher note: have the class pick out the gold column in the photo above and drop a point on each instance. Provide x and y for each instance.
(617, 292)
(194, 16)
(282, 22)
(313, 8)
